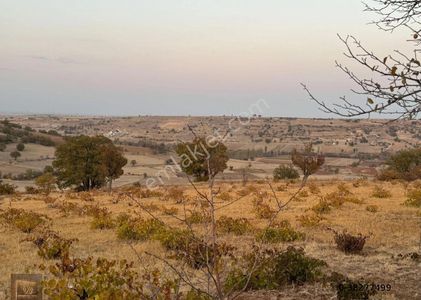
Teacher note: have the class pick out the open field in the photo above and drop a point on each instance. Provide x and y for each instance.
(353, 148)
(394, 231)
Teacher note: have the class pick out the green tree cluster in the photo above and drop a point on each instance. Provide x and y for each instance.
(88, 162)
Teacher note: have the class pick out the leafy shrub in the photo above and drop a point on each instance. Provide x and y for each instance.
(275, 269)
(349, 243)
(323, 207)
(136, 228)
(414, 198)
(310, 220)
(51, 245)
(372, 208)
(174, 239)
(380, 192)
(104, 279)
(6, 189)
(340, 196)
(282, 232)
(25, 221)
(103, 220)
(46, 183)
(262, 209)
(285, 172)
(239, 226)
(196, 217)
(68, 207)
(194, 251)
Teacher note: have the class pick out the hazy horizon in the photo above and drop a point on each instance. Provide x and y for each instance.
(177, 57)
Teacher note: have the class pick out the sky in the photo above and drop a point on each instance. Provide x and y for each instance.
(177, 57)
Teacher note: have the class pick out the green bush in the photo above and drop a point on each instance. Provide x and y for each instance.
(310, 220)
(238, 226)
(25, 221)
(137, 229)
(274, 270)
(262, 209)
(323, 207)
(196, 217)
(104, 279)
(196, 252)
(6, 189)
(51, 245)
(20, 147)
(103, 221)
(282, 232)
(285, 172)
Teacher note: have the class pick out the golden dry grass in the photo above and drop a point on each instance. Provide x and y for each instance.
(393, 230)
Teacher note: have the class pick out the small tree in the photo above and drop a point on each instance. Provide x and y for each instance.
(113, 161)
(46, 183)
(133, 163)
(405, 164)
(20, 147)
(202, 159)
(88, 162)
(308, 161)
(15, 155)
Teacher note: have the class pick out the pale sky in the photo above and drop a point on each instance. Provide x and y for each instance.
(174, 57)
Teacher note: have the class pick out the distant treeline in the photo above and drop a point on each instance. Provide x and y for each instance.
(28, 175)
(156, 147)
(251, 154)
(16, 133)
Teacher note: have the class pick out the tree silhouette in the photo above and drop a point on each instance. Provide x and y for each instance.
(394, 85)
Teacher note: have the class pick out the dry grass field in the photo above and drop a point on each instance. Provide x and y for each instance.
(393, 230)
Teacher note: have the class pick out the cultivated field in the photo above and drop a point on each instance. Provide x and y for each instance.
(393, 230)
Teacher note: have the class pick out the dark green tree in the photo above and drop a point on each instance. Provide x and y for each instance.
(88, 162)
(20, 147)
(202, 158)
(15, 155)
(405, 164)
(113, 161)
